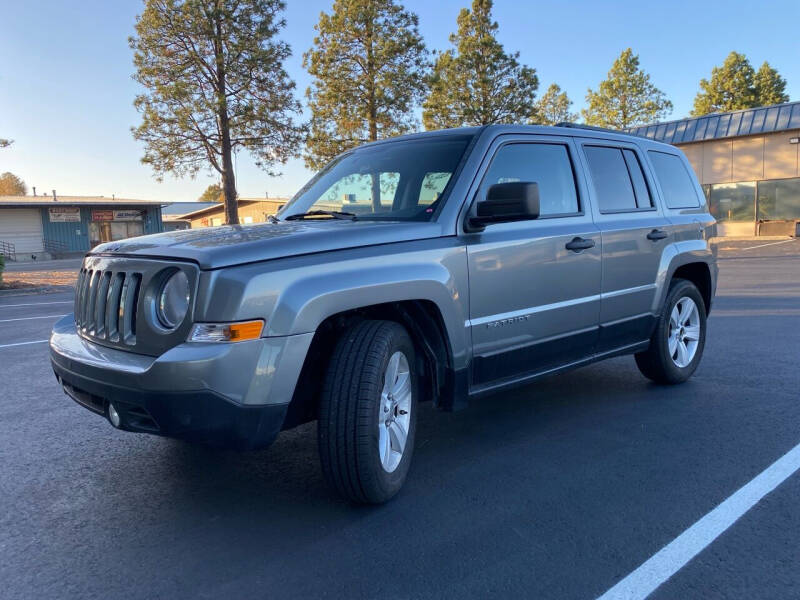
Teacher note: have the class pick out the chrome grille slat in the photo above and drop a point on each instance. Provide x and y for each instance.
(112, 306)
(100, 305)
(90, 304)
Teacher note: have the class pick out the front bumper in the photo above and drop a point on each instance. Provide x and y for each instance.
(228, 394)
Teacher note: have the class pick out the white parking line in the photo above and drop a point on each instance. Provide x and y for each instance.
(35, 304)
(23, 343)
(672, 557)
(765, 245)
(30, 318)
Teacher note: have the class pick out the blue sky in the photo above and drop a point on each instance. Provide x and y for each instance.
(66, 92)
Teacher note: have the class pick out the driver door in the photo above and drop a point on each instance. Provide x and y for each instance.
(534, 302)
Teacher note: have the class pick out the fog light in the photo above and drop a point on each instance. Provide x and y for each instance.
(113, 416)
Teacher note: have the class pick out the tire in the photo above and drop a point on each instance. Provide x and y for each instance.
(357, 443)
(669, 360)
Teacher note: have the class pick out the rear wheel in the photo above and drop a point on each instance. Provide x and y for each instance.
(677, 343)
(367, 417)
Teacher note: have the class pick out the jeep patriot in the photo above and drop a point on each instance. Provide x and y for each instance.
(439, 266)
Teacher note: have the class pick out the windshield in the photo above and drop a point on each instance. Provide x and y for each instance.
(402, 180)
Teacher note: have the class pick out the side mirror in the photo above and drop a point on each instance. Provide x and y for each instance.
(514, 201)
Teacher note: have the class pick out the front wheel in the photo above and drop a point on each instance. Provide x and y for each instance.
(677, 343)
(367, 416)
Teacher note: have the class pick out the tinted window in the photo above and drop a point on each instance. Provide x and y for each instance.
(612, 182)
(643, 199)
(676, 184)
(546, 164)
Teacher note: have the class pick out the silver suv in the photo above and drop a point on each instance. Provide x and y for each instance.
(441, 266)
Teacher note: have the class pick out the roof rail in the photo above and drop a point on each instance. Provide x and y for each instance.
(592, 127)
(595, 128)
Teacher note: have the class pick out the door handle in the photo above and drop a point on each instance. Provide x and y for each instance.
(657, 234)
(577, 244)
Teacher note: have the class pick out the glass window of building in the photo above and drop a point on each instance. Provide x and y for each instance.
(733, 201)
(676, 183)
(779, 199)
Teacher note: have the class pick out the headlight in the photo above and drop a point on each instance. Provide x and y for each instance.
(173, 300)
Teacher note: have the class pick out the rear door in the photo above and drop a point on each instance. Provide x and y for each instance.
(635, 232)
(534, 303)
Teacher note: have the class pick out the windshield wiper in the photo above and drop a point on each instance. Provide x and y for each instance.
(316, 213)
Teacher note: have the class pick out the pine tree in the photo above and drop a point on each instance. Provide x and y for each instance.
(731, 87)
(477, 82)
(553, 107)
(626, 98)
(369, 65)
(215, 82)
(770, 86)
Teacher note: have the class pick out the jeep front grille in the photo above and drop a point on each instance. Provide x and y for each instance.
(106, 302)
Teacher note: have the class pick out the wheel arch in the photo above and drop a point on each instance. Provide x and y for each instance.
(424, 322)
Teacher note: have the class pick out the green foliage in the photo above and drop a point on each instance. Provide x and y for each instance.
(731, 87)
(736, 85)
(626, 98)
(368, 63)
(214, 80)
(770, 86)
(11, 185)
(477, 82)
(553, 108)
(213, 193)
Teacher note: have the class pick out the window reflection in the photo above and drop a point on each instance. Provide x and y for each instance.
(779, 199)
(732, 201)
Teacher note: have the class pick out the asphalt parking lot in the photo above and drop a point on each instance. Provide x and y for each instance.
(557, 490)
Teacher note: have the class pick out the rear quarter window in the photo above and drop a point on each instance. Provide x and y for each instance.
(676, 182)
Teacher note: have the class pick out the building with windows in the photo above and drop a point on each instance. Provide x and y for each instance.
(251, 210)
(172, 215)
(748, 163)
(34, 227)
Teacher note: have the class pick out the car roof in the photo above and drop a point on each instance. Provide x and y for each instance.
(566, 130)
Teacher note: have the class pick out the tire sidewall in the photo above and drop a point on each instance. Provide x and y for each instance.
(390, 483)
(681, 289)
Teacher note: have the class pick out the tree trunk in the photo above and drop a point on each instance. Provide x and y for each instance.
(228, 176)
(372, 109)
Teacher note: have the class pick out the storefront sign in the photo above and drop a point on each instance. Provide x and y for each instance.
(102, 215)
(127, 215)
(64, 214)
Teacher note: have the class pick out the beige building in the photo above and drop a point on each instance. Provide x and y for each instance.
(747, 161)
(251, 210)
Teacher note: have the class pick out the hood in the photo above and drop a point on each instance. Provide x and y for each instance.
(215, 247)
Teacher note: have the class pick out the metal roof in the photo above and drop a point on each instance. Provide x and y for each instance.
(73, 201)
(750, 121)
(220, 206)
(181, 208)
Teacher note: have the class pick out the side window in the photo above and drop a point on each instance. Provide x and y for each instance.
(548, 165)
(433, 185)
(643, 199)
(676, 183)
(612, 181)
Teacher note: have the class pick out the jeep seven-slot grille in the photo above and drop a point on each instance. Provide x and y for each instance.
(105, 304)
